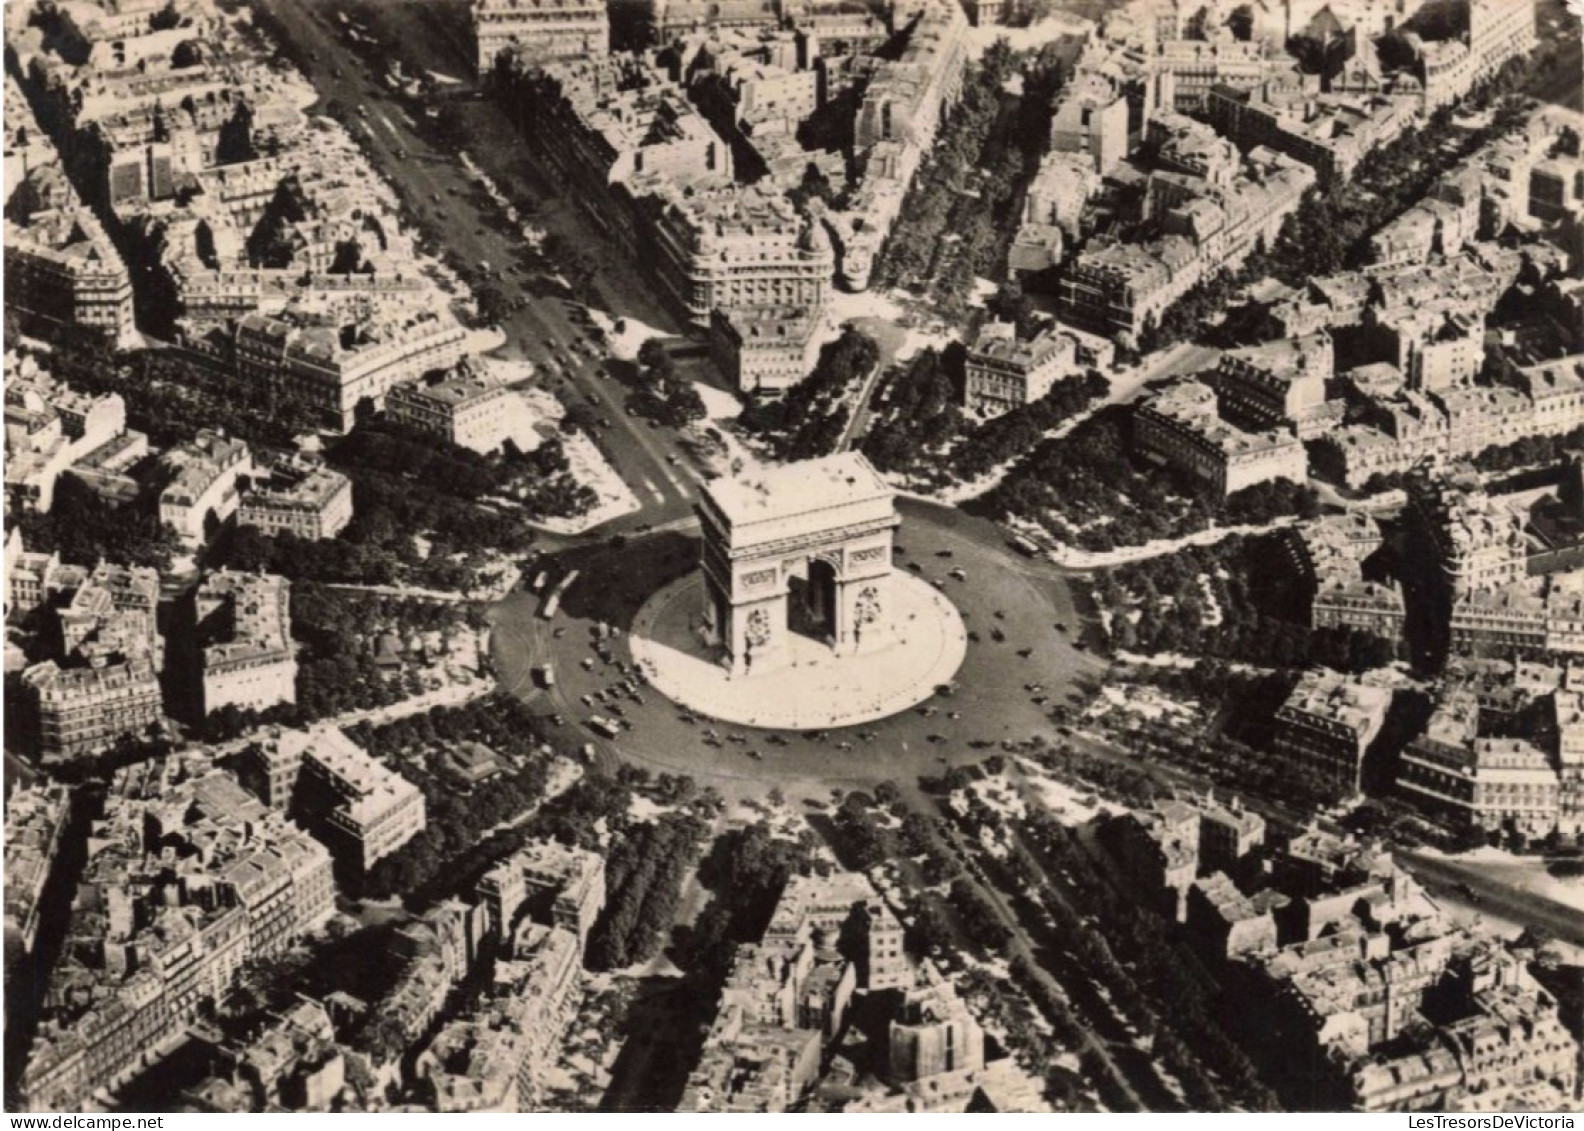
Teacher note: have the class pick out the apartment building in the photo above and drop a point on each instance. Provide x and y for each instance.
(86, 710)
(466, 409)
(248, 660)
(548, 881)
(539, 30)
(1470, 781)
(496, 1057)
(1332, 133)
(1478, 539)
(764, 349)
(1004, 372)
(1279, 384)
(113, 613)
(205, 486)
(341, 371)
(247, 885)
(297, 496)
(60, 266)
(35, 817)
(1125, 288)
(1327, 724)
(362, 809)
(49, 427)
(1182, 426)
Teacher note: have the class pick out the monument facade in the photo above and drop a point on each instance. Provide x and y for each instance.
(804, 548)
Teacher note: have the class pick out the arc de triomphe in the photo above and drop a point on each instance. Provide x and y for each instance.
(804, 548)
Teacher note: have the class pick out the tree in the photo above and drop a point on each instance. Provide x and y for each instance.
(85, 529)
(978, 917)
(348, 257)
(235, 142)
(929, 932)
(166, 18)
(188, 53)
(809, 419)
(270, 244)
(494, 308)
(1010, 304)
(644, 876)
(683, 405)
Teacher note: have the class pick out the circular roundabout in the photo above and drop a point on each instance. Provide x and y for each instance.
(1023, 656)
(813, 688)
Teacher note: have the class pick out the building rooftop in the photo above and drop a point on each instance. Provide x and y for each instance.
(371, 787)
(1324, 694)
(257, 617)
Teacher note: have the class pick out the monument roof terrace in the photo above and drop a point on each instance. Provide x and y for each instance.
(800, 499)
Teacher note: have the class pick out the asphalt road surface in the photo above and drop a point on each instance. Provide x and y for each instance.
(1456, 880)
(458, 216)
(993, 704)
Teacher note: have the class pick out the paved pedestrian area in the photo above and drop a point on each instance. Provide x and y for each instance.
(814, 689)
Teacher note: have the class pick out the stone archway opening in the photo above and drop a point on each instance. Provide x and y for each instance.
(811, 601)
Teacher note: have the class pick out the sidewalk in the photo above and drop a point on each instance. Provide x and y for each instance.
(1071, 557)
(509, 576)
(452, 695)
(593, 470)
